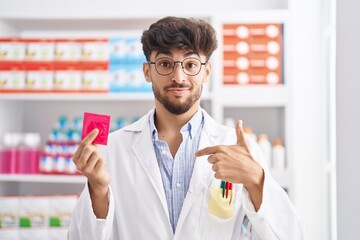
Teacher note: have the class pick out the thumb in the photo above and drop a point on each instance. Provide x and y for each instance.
(91, 136)
(240, 134)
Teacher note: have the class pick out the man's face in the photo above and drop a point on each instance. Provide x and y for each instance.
(177, 91)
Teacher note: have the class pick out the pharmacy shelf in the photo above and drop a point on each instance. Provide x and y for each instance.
(25, 111)
(133, 96)
(76, 96)
(38, 178)
(254, 96)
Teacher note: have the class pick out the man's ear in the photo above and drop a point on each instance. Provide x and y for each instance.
(146, 71)
(207, 71)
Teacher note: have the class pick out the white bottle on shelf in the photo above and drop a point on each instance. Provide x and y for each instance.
(278, 155)
(266, 148)
(250, 133)
(230, 122)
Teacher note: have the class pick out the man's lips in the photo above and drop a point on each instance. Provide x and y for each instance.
(178, 90)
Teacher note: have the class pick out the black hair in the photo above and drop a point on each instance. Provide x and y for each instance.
(179, 33)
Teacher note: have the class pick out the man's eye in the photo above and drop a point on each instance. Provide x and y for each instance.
(190, 65)
(164, 64)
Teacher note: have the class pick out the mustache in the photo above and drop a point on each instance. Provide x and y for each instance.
(177, 85)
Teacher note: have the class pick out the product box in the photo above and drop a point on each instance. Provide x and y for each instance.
(12, 49)
(40, 50)
(67, 81)
(67, 77)
(47, 163)
(253, 53)
(126, 49)
(33, 212)
(119, 79)
(67, 50)
(70, 167)
(95, 81)
(119, 49)
(135, 52)
(39, 77)
(60, 210)
(137, 82)
(12, 77)
(128, 78)
(95, 50)
(95, 78)
(8, 213)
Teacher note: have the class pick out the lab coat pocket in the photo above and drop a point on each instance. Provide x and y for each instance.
(218, 214)
(220, 206)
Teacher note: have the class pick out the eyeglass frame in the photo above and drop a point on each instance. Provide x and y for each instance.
(181, 63)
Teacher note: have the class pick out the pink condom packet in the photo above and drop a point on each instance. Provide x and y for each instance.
(101, 122)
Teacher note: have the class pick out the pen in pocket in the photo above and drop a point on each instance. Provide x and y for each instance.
(226, 186)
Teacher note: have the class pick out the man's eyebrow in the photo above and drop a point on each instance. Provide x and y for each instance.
(168, 53)
(165, 53)
(191, 53)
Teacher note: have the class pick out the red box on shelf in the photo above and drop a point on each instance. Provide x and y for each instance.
(252, 53)
(12, 77)
(39, 77)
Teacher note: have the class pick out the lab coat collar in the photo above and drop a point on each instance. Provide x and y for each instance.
(210, 126)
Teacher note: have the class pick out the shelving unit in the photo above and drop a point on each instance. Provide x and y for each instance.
(38, 178)
(21, 184)
(264, 108)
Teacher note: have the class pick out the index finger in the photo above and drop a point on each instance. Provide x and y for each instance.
(206, 151)
(240, 135)
(91, 136)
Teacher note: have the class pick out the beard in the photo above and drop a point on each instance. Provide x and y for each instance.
(177, 108)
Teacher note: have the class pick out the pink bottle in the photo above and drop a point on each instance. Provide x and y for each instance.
(9, 152)
(28, 154)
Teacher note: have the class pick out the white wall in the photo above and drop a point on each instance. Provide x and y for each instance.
(309, 116)
(348, 118)
(116, 8)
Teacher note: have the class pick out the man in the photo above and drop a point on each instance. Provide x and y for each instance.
(169, 170)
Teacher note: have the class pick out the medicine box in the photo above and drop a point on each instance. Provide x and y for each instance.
(253, 53)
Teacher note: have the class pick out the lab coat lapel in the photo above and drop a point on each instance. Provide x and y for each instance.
(202, 173)
(147, 159)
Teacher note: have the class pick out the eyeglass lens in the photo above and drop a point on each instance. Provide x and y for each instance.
(190, 66)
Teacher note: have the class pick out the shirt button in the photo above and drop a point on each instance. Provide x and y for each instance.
(178, 185)
(163, 152)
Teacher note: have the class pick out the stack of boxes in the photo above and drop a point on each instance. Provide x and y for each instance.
(71, 65)
(253, 54)
(35, 217)
(81, 65)
(126, 59)
(63, 140)
(12, 72)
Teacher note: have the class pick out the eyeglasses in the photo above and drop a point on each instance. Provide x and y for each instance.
(166, 66)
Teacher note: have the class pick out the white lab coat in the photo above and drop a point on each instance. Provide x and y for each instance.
(138, 208)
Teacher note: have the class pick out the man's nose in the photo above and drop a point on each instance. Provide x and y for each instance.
(178, 74)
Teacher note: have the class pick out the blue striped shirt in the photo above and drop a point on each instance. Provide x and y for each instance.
(176, 172)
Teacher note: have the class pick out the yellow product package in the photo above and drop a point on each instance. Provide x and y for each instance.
(220, 206)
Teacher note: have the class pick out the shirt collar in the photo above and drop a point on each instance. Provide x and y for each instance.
(191, 126)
